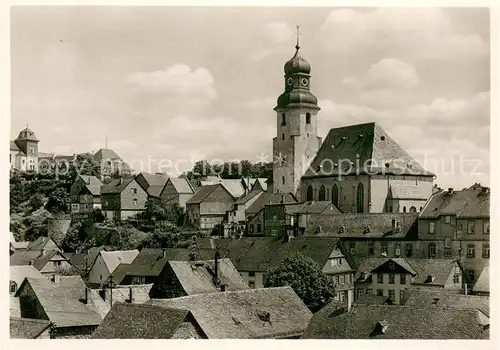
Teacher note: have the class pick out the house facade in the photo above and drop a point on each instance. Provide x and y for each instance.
(23, 154)
(106, 262)
(85, 195)
(123, 198)
(177, 191)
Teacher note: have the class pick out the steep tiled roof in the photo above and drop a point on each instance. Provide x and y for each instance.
(363, 143)
(104, 154)
(409, 192)
(155, 191)
(372, 299)
(401, 322)
(39, 258)
(13, 146)
(20, 245)
(61, 301)
(150, 261)
(86, 259)
(155, 179)
(117, 257)
(470, 202)
(19, 273)
(133, 321)
(39, 243)
(421, 268)
(181, 185)
(252, 194)
(116, 185)
(93, 184)
(202, 194)
(27, 328)
(27, 134)
(267, 198)
(367, 225)
(197, 277)
(245, 314)
(318, 207)
(420, 298)
(262, 253)
(234, 186)
(483, 282)
(118, 274)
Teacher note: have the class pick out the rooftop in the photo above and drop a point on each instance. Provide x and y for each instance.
(37, 258)
(116, 185)
(181, 185)
(203, 192)
(245, 314)
(151, 261)
(117, 257)
(27, 328)
(482, 284)
(19, 273)
(267, 198)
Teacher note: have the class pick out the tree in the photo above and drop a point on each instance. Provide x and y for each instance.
(73, 238)
(306, 279)
(35, 203)
(57, 203)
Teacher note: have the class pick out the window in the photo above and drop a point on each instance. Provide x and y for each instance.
(309, 195)
(360, 199)
(283, 119)
(341, 279)
(409, 249)
(369, 291)
(431, 227)
(32, 149)
(283, 137)
(383, 247)
(447, 219)
(391, 278)
(370, 248)
(13, 287)
(308, 118)
(420, 209)
(322, 195)
(134, 190)
(404, 209)
(413, 209)
(335, 195)
(337, 279)
(460, 226)
(135, 202)
(456, 278)
(402, 278)
(486, 250)
(392, 294)
(432, 250)
(361, 292)
(380, 278)
(447, 242)
(283, 180)
(470, 276)
(10, 158)
(397, 249)
(401, 296)
(392, 266)
(353, 247)
(349, 278)
(251, 274)
(380, 292)
(250, 228)
(471, 251)
(259, 228)
(470, 227)
(251, 284)
(24, 161)
(486, 227)
(342, 296)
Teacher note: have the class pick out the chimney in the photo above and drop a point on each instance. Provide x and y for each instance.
(465, 289)
(216, 280)
(130, 294)
(163, 253)
(450, 190)
(56, 278)
(85, 299)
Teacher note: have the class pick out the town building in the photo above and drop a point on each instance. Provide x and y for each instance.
(83, 261)
(208, 207)
(48, 262)
(255, 212)
(391, 276)
(181, 278)
(111, 163)
(23, 154)
(482, 285)
(62, 300)
(177, 191)
(267, 313)
(396, 322)
(29, 328)
(457, 224)
(106, 262)
(85, 194)
(19, 273)
(123, 198)
(236, 221)
(148, 322)
(153, 184)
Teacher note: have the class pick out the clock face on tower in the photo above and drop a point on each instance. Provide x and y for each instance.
(289, 81)
(304, 82)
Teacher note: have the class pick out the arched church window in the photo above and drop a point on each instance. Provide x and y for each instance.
(413, 209)
(404, 209)
(360, 199)
(13, 287)
(283, 180)
(308, 118)
(309, 194)
(335, 195)
(322, 195)
(283, 119)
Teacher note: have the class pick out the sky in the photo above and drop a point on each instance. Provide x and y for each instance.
(170, 85)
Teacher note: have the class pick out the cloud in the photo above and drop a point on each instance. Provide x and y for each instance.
(177, 81)
(279, 32)
(388, 73)
(409, 34)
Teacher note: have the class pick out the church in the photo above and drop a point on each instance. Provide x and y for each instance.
(359, 168)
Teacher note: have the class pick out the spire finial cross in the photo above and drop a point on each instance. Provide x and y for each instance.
(298, 33)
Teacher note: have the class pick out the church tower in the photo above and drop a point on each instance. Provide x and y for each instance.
(297, 140)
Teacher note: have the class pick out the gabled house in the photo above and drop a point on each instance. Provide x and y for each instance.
(207, 208)
(135, 321)
(482, 285)
(19, 273)
(255, 212)
(29, 328)
(177, 191)
(365, 321)
(43, 243)
(123, 198)
(106, 262)
(62, 300)
(181, 278)
(85, 194)
(149, 263)
(390, 277)
(110, 162)
(236, 221)
(83, 261)
(152, 183)
(48, 262)
(268, 313)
